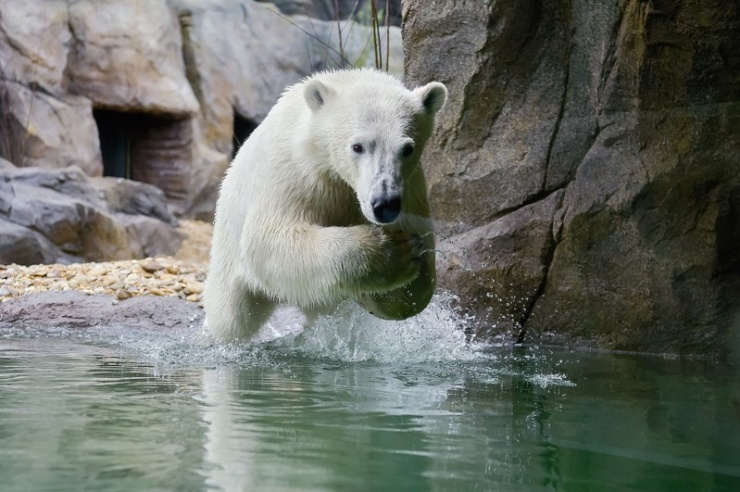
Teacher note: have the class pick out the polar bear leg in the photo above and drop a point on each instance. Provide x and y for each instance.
(237, 314)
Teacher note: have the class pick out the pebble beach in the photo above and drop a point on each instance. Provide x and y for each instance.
(181, 275)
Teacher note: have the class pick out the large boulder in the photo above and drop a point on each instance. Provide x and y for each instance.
(127, 55)
(41, 124)
(586, 172)
(34, 43)
(77, 310)
(24, 246)
(39, 129)
(50, 216)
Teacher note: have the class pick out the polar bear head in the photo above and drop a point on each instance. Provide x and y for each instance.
(371, 131)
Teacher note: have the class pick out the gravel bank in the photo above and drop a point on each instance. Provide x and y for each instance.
(180, 276)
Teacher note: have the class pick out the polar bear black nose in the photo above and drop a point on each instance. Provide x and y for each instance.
(386, 210)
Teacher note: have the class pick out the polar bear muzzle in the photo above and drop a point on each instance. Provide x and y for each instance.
(387, 209)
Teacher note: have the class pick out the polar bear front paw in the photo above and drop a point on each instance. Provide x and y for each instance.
(403, 252)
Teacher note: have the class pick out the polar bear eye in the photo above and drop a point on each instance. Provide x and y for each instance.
(358, 148)
(407, 150)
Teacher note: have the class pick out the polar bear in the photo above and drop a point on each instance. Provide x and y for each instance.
(326, 201)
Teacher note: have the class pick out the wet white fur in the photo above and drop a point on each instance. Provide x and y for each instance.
(294, 219)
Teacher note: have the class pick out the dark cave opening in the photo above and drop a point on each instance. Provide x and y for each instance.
(243, 128)
(154, 149)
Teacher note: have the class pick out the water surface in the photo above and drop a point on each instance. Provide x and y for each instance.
(357, 404)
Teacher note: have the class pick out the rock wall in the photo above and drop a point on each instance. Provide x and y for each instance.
(182, 72)
(586, 172)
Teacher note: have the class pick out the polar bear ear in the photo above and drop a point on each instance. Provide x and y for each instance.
(316, 94)
(433, 96)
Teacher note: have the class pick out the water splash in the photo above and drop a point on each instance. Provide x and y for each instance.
(436, 337)
(351, 334)
(348, 335)
(546, 380)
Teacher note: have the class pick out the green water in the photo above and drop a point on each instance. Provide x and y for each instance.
(407, 408)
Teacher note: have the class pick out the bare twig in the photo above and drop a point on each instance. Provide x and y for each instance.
(312, 36)
(344, 37)
(387, 35)
(315, 35)
(339, 30)
(352, 16)
(376, 36)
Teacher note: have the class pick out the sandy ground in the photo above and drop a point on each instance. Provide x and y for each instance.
(180, 276)
(197, 243)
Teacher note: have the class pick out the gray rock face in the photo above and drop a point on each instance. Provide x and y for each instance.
(50, 216)
(488, 264)
(24, 246)
(127, 55)
(586, 171)
(34, 43)
(71, 309)
(48, 131)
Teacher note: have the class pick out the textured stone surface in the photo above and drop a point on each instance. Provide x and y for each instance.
(52, 132)
(34, 42)
(74, 309)
(624, 117)
(160, 276)
(487, 264)
(62, 216)
(41, 124)
(22, 245)
(128, 55)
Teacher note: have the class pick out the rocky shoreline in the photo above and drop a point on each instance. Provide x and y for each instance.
(153, 293)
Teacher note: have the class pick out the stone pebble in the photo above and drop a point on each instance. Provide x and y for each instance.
(161, 276)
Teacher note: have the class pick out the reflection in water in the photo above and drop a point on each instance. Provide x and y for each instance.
(339, 408)
(72, 414)
(460, 426)
(340, 428)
